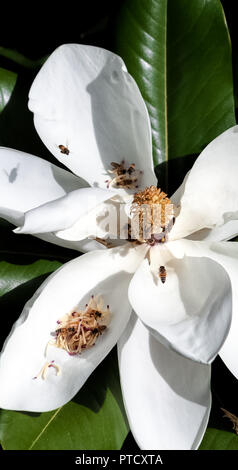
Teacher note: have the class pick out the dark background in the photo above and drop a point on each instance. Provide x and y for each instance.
(36, 29)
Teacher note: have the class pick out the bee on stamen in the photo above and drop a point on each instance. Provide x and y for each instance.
(63, 149)
(97, 314)
(162, 274)
(124, 177)
(80, 330)
(131, 168)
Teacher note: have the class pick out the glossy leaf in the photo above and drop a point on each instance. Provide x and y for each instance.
(215, 439)
(20, 59)
(94, 419)
(179, 53)
(12, 275)
(7, 84)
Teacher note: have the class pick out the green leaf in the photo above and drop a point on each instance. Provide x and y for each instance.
(13, 275)
(94, 419)
(7, 84)
(214, 439)
(20, 59)
(180, 56)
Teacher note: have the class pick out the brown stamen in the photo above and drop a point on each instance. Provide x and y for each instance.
(233, 418)
(126, 178)
(103, 242)
(80, 330)
(44, 369)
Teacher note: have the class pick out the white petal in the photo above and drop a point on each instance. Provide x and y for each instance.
(191, 311)
(177, 196)
(102, 221)
(106, 273)
(218, 234)
(63, 212)
(27, 181)
(210, 196)
(83, 245)
(167, 397)
(225, 253)
(83, 98)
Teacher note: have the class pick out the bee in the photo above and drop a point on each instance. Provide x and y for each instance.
(63, 149)
(162, 274)
(123, 177)
(99, 329)
(131, 168)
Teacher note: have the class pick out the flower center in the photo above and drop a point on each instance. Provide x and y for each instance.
(152, 216)
(127, 178)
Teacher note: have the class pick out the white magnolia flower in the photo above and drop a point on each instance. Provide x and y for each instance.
(89, 113)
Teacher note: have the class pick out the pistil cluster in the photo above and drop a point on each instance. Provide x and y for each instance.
(152, 216)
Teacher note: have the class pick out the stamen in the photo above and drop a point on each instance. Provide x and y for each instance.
(43, 371)
(103, 242)
(80, 329)
(50, 343)
(126, 178)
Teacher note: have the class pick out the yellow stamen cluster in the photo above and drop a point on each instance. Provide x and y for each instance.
(79, 330)
(152, 214)
(127, 178)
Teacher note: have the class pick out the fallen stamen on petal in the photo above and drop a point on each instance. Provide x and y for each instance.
(80, 330)
(127, 178)
(46, 366)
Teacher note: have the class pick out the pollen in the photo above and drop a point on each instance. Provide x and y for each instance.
(124, 177)
(80, 330)
(152, 216)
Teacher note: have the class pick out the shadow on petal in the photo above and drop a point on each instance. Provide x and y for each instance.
(165, 363)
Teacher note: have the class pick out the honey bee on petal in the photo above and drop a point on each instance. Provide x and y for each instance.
(162, 274)
(64, 149)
